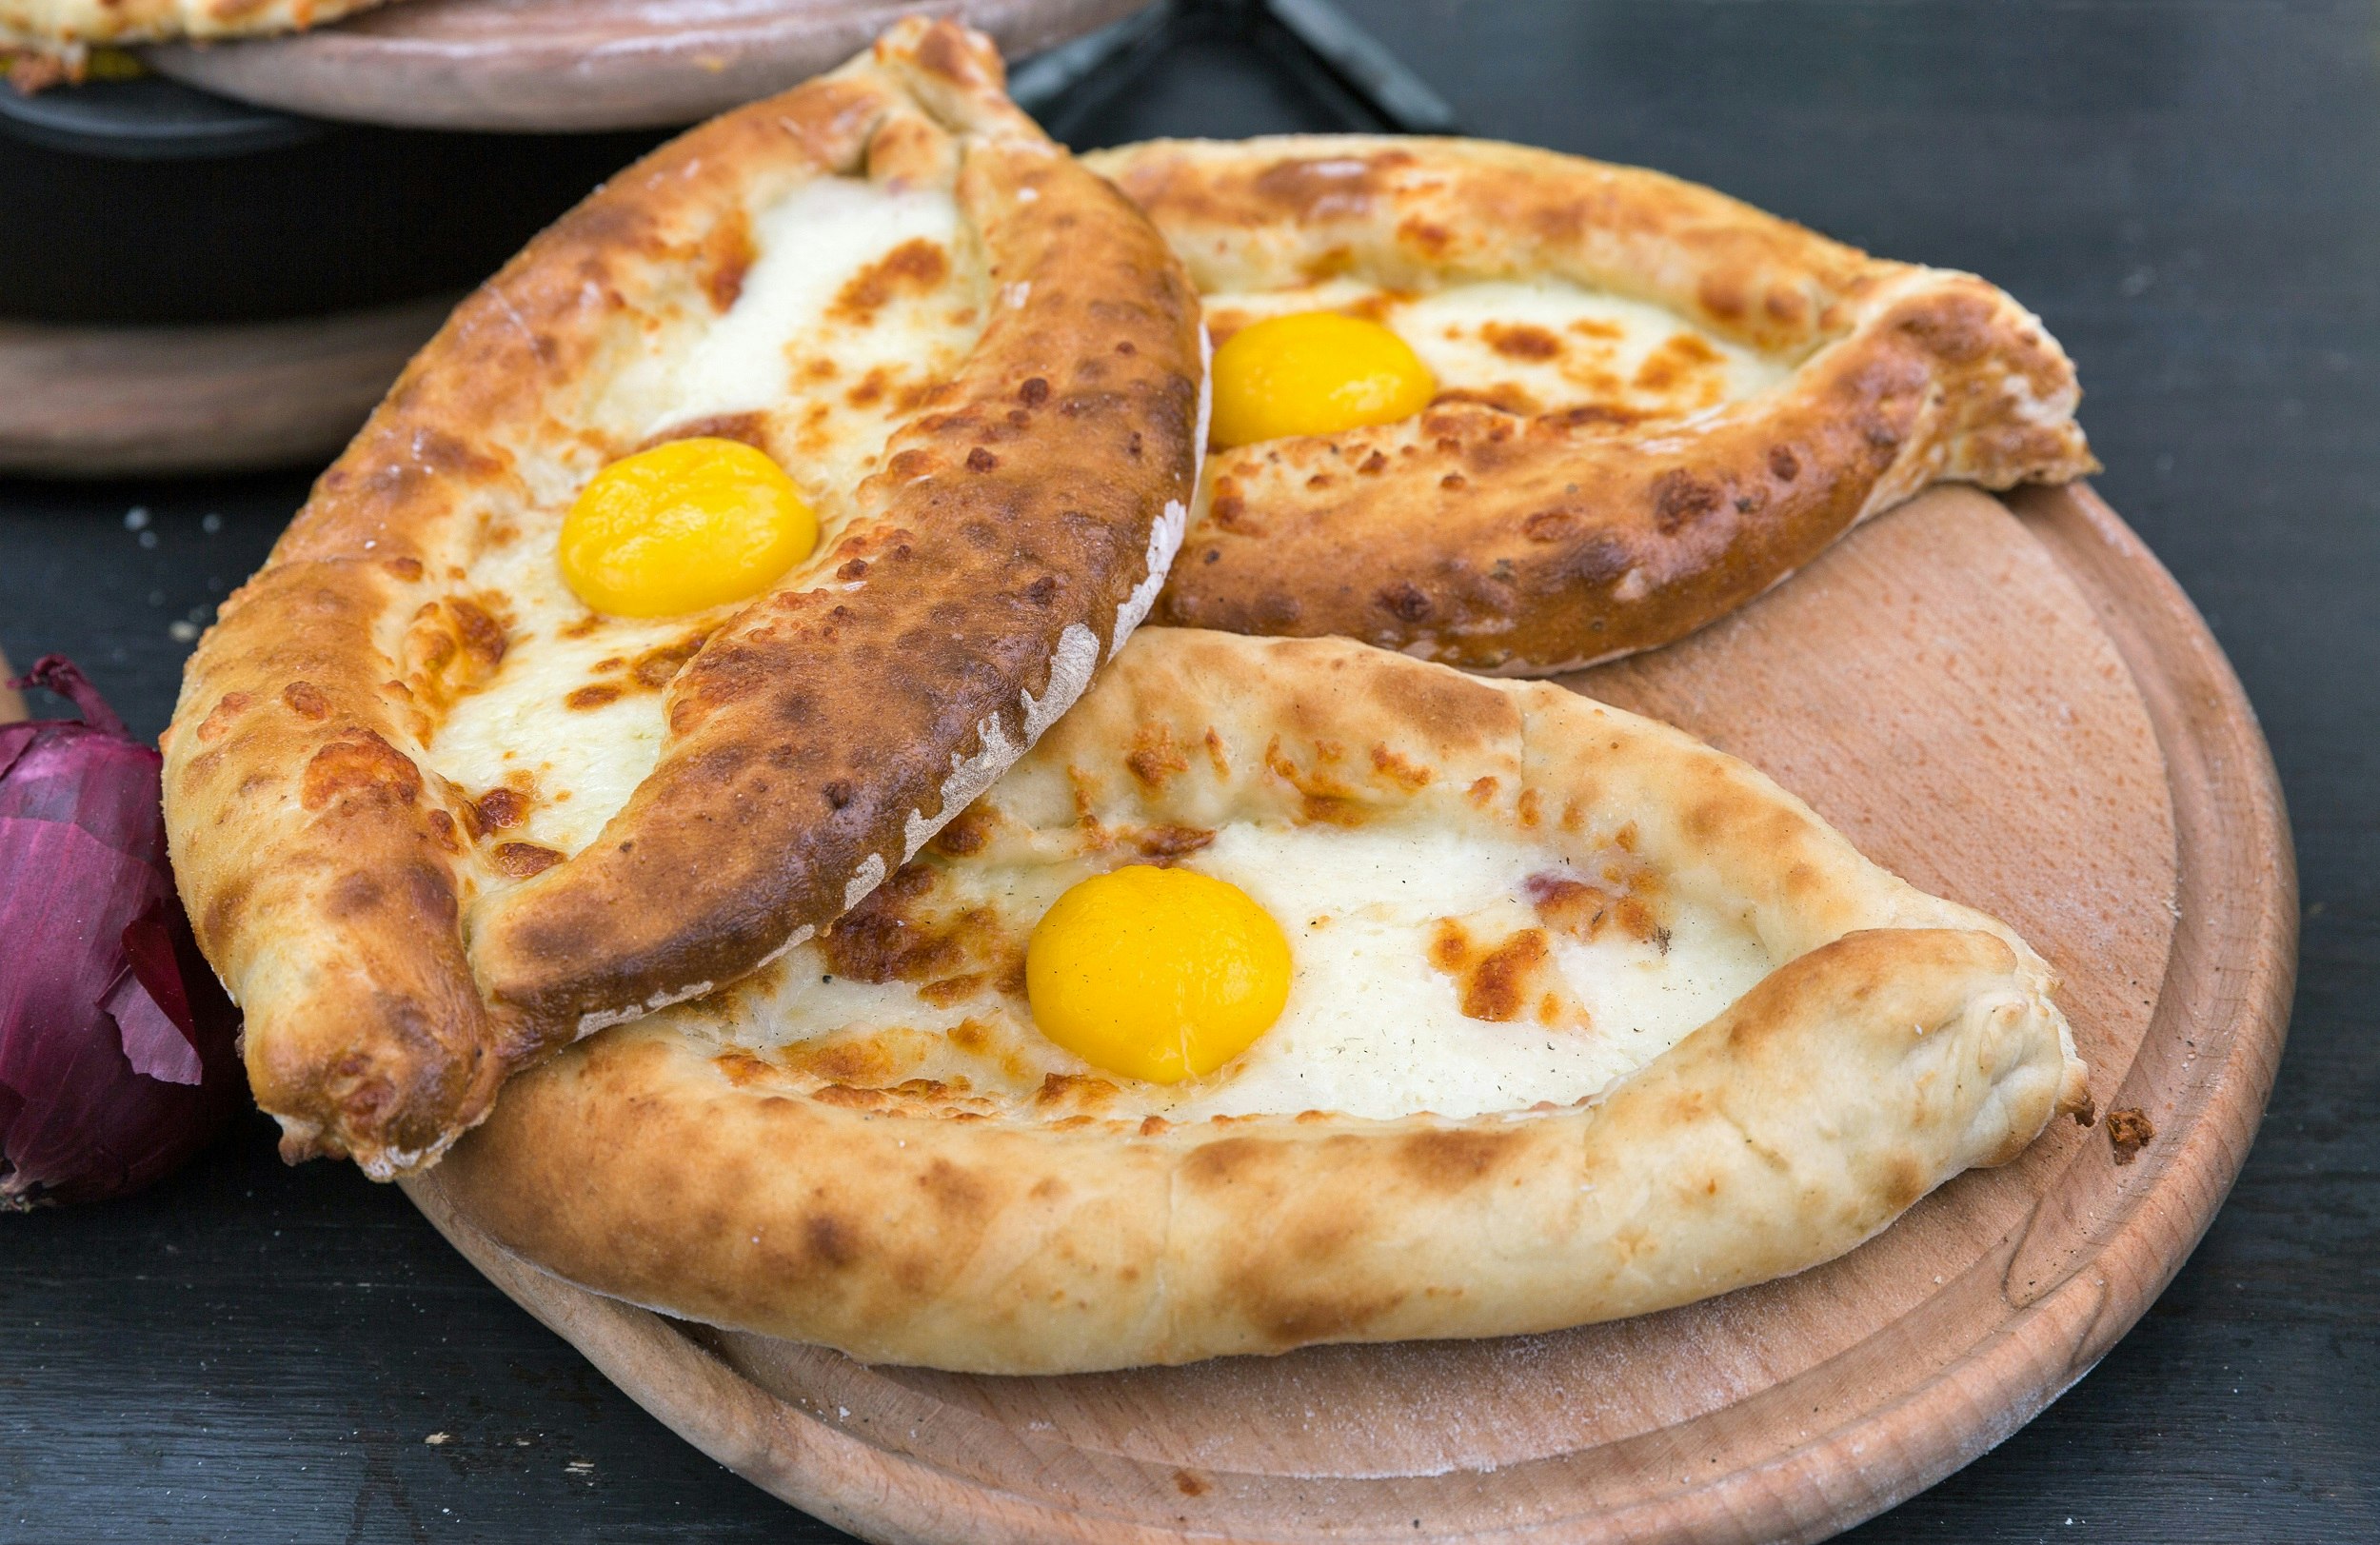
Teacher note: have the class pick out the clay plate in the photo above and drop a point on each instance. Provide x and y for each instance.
(561, 66)
(2012, 706)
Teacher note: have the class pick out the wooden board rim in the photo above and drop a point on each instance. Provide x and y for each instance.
(94, 402)
(2230, 821)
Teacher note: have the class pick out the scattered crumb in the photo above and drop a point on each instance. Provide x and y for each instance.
(579, 1467)
(182, 631)
(2129, 1132)
(435, 1440)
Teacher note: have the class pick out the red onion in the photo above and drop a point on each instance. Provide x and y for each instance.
(117, 1057)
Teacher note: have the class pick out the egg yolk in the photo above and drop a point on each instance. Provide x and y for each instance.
(1156, 974)
(1314, 372)
(687, 524)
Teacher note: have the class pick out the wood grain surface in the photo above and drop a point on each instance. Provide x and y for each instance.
(117, 402)
(2018, 710)
(566, 65)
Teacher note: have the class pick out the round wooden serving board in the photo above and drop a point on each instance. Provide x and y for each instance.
(151, 401)
(2014, 705)
(559, 65)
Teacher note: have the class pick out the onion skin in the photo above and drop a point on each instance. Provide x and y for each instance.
(118, 1054)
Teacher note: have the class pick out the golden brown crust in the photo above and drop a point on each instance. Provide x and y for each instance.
(1531, 544)
(1019, 530)
(1907, 1038)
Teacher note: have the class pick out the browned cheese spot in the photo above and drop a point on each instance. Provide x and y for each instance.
(483, 636)
(523, 860)
(1074, 1089)
(1154, 758)
(741, 1068)
(1583, 909)
(499, 809)
(1395, 769)
(359, 767)
(450, 647)
(857, 1061)
(951, 990)
(1684, 358)
(1493, 984)
(916, 264)
(1521, 341)
(727, 256)
(1163, 844)
(1324, 799)
(594, 696)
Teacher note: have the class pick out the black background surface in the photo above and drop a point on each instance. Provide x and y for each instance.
(2188, 194)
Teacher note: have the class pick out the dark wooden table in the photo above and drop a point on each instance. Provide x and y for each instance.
(2189, 193)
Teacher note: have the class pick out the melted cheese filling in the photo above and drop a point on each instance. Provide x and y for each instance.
(1373, 1027)
(859, 300)
(802, 339)
(1538, 346)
